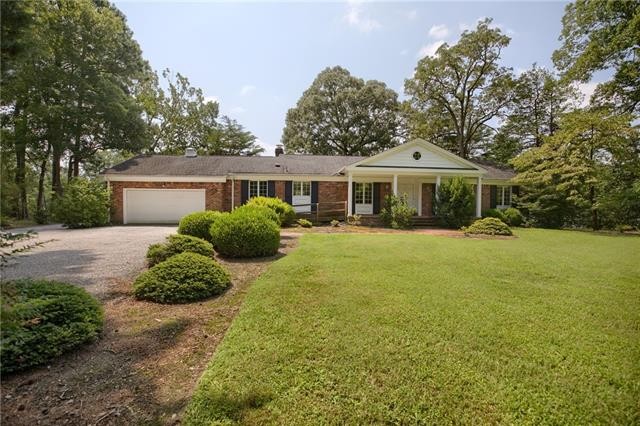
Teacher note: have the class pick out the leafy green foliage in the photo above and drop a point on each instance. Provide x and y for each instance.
(343, 115)
(304, 223)
(513, 217)
(261, 210)
(497, 213)
(565, 179)
(454, 203)
(246, 233)
(43, 319)
(488, 226)
(85, 204)
(178, 244)
(185, 277)
(598, 35)
(454, 93)
(284, 210)
(197, 224)
(396, 212)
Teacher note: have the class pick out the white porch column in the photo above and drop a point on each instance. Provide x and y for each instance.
(350, 195)
(395, 184)
(437, 185)
(479, 197)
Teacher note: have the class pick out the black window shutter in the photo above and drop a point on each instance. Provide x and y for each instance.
(244, 191)
(494, 196)
(288, 192)
(353, 198)
(433, 199)
(376, 198)
(271, 188)
(515, 190)
(314, 196)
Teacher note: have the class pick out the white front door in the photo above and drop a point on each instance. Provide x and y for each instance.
(301, 197)
(409, 189)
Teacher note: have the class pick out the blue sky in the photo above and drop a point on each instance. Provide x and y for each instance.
(256, 58)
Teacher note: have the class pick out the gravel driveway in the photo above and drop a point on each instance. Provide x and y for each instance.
(87, 257)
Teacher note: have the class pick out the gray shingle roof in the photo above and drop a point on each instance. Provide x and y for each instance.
(323, 165)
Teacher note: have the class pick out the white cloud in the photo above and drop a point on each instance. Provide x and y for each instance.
(247, 89)
(412, 14)
(237, 110)
(429, 49)
(587, 89)
(439, 32)
(356, 18)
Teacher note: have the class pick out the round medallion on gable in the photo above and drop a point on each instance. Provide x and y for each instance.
(417, 155)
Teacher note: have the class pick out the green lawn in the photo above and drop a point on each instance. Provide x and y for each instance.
(409, 329)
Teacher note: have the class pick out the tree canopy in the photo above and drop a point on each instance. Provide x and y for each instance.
(345, 115)
(454, 95)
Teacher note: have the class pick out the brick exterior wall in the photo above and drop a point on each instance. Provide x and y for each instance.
(486, 197)
(214, 194)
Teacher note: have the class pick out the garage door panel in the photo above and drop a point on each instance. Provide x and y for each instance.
(161, 205)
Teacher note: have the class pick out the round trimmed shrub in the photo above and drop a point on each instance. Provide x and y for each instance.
(284, 210)
(488, 226)
(245, 234)
(185, 277)
(198, 224)
(261, 210)
(177, 244)
(497, 213)
(513, 217)
(43, 319)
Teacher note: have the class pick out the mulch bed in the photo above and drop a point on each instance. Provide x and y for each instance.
(145, 366)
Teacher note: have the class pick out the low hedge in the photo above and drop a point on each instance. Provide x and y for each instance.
(43, 319)
(245, 233)
(177, 244)
(284, 210)
(488, 226)
(513, 217)
(185, 277)
(198, 224)
(261, 210)
(497, 213)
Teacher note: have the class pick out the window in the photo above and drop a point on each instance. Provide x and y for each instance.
(302, 189)
(364, 193)
(503, 196)
(257, 188)
(417, 155)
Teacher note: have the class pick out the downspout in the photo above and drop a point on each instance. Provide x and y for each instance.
(233, 190)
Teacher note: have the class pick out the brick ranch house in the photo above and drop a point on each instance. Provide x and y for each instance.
(163, 188)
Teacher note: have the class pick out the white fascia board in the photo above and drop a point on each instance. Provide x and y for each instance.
(416, 172)
(160, 178)
(319, 178)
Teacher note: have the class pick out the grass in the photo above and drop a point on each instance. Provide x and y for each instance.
(356, 329)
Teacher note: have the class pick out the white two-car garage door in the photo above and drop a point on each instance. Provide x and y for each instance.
(160, 205)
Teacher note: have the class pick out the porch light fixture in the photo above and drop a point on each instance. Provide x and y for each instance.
(417, 155)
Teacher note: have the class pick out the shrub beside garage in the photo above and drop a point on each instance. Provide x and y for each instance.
(177, 244)
(284, 210)
(245, 233)
(198, 224)
(44, 319)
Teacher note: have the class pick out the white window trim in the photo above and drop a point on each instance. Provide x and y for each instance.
(363, 208)
(258, 184)
(500, 196)
(304, 186)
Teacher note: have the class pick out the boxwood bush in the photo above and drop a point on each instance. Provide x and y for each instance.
(197, 224)
(284, 210)
(245, 233)
(177, 244)
(513, 217)
(497, 213)
(261, 210)
(43, 319)
(488, 226)
(185, 277)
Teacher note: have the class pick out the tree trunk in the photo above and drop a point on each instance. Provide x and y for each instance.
(22, 209)
(40, 203)
(595, 221)
(56, 183)
(70, 168)
(76, 166)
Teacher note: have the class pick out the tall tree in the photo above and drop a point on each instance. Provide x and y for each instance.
(563, 178)
(540, 99)
(345, 115)
(599, 35)
(230, 138)
(454, 95)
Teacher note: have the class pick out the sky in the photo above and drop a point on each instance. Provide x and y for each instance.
(257, 58)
